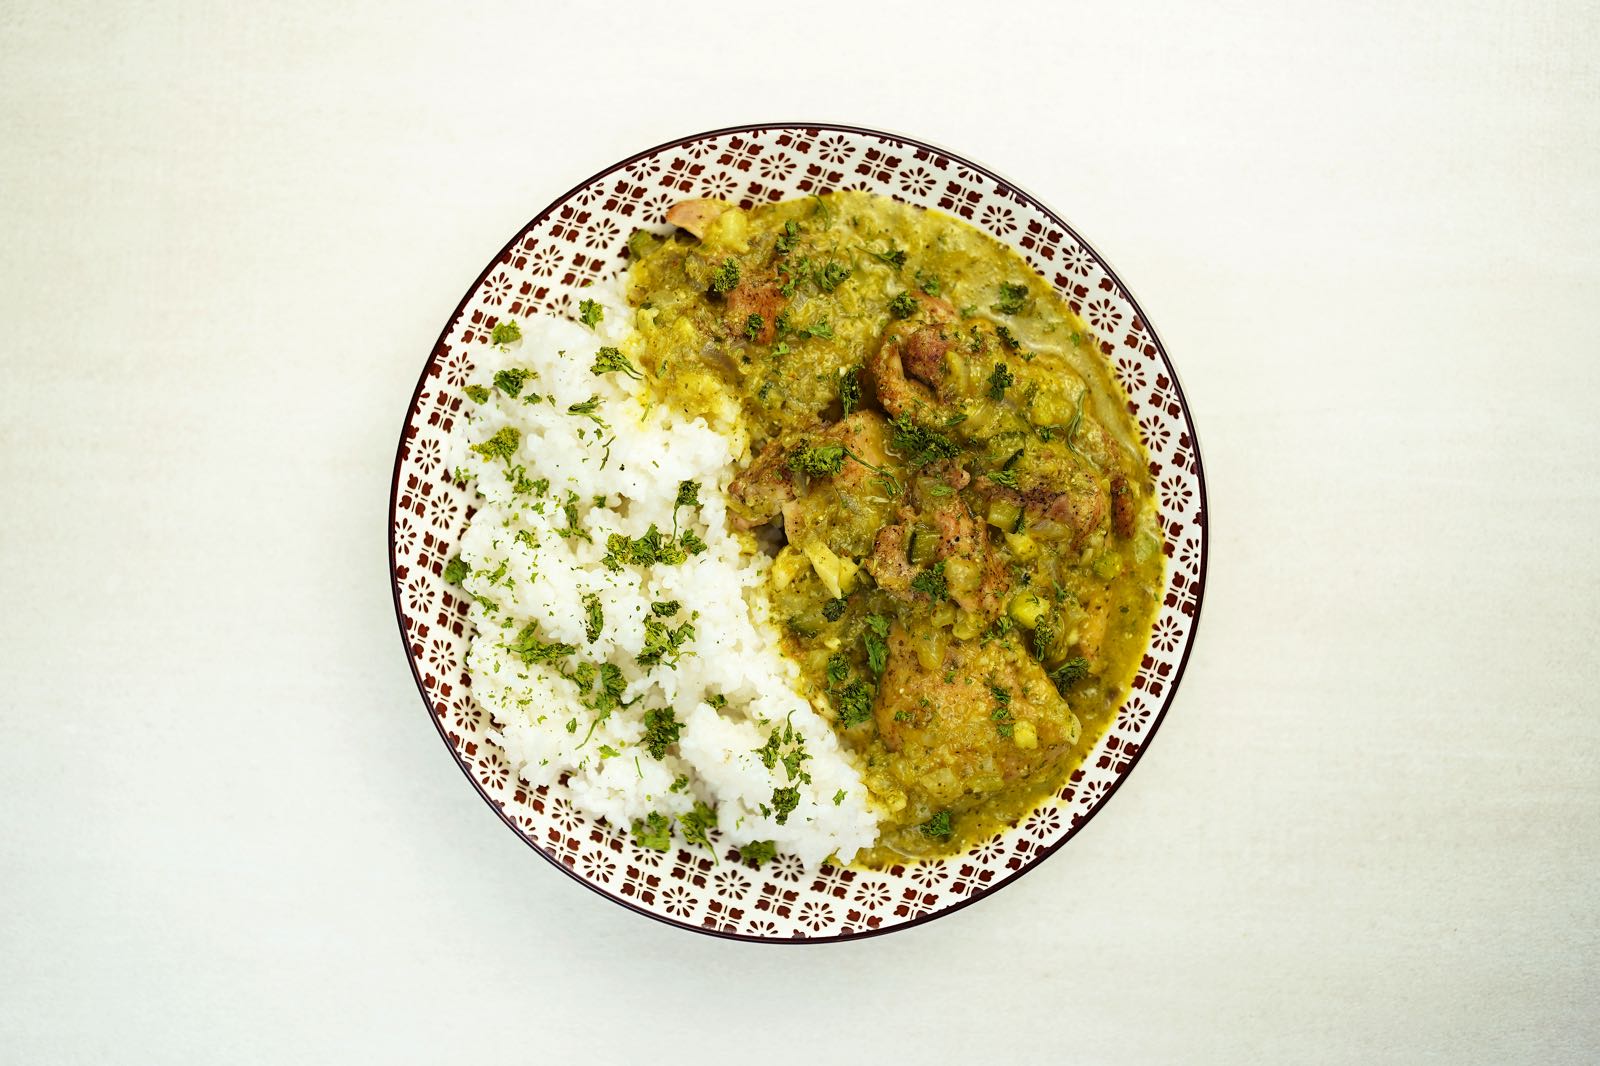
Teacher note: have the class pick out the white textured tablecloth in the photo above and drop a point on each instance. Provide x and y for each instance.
(1369, 829)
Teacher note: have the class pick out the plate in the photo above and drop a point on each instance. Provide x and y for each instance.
(582, 237)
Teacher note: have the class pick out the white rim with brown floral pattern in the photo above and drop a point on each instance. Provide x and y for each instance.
(582, 237)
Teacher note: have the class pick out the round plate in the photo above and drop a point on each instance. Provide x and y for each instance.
(581, 237)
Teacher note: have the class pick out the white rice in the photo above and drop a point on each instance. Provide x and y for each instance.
(540, 720)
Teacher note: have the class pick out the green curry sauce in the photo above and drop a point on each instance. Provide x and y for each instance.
(968, 558)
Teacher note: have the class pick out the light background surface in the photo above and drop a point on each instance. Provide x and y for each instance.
(1369, 237)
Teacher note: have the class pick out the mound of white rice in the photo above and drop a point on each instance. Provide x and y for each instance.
(567, 476)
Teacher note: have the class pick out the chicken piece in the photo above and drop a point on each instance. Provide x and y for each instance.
(922, 355)
(977, 578)
(908, 370)
(985, 716)
(890, 562)
(843, 510)
(946, 474)
(1060, 493)
(696, 216)
(1080, 506)
(763, 488)
(1124, 506)
(846, 510)
(760, 298)
(1091, 631)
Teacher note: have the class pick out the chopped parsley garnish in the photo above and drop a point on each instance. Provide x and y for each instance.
(838, 797)
(784, 801)
(1000, 379)
(834, 609)
(665, 609)
(787, 240)
(826, 460)
(855, 703)
(938, 826)
(792, 275)
(1012, 297)
(608, 697)
(697, 826)
(503, 445)
(819, 329)
(877, 647)
(527, 646)
(716, 701)
(838, 670)
(679, 783)
(1070, 673)
(688, 541)
(609, 360)
(661, 731)
(511, 381)
(594, 617)
(726, 278)
(895, 257)
(654, 832)
(850, 389)
(928, 283)
(587, 410)
(569, 509)
(931, 582)
(476, 393)
(1044, 635)
(999, 629)
(644, 550)
(1006, 338)
(663, 644)
(590, 313)
(507, 332)
(1006, 477)
(1002, 711)
(456, 570)
(822, 460)
(919, 446)
(753, 325)
(758, 852)
(903, 306)
(831, 276)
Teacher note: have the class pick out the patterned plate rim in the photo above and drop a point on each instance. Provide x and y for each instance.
(1203, 512)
